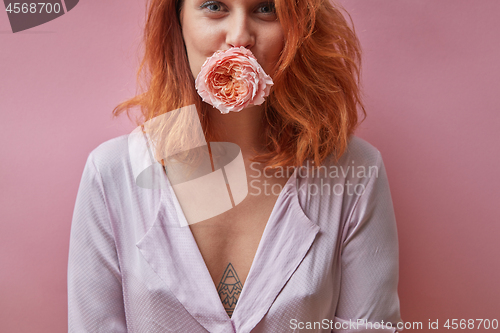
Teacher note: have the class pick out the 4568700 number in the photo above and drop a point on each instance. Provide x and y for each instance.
(32, 8)
(471, 324)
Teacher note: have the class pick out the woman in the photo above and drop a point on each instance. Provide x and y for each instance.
(319, 255)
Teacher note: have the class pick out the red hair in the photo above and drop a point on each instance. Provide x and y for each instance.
(313, 105)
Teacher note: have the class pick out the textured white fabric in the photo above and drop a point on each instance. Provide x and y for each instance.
(323, 255)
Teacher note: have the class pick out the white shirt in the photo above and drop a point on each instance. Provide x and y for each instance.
(326, 259)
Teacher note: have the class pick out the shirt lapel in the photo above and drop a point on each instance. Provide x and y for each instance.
(172, 252)
(286, 240)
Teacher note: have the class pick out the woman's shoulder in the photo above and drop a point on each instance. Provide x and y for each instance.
(111, 156)
(359, 163)
(356, 168)
(359, 153)
(358, 144)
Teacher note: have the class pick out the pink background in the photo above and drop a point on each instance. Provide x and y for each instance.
(431, 79)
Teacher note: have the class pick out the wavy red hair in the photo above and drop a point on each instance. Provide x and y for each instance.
(313, 106)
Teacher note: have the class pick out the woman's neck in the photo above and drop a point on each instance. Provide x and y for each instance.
(243, 128)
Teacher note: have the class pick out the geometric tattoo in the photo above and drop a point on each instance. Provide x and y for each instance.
(229, 289)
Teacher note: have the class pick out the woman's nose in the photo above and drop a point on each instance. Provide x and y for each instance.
(240, 32)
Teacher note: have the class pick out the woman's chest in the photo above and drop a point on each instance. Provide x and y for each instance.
(309, 294)
(228, 242)
(267, 256)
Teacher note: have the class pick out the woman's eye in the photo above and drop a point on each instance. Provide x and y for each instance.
(215, 6)
(268, 8)
(212, 6)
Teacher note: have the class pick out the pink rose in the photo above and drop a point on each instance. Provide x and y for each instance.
(233, 79)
